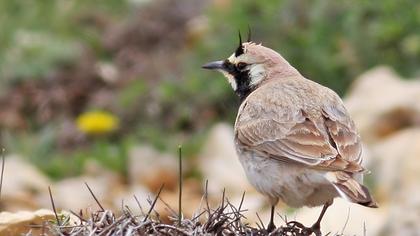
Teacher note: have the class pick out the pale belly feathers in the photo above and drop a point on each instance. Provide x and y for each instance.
(295, 185)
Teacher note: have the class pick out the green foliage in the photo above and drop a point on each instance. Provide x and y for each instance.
(109, 154)
(128, 95)
(328, 41)
(37, 36)
(40, 149)
(35, 54)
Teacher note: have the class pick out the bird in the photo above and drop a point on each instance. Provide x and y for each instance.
(294, 137)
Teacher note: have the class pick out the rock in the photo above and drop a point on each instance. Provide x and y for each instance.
(108, 72)
(22, 184)
(19, 223)
(197, 28)
(381, 103)
(404, 216)
(93, 168)
(191, 197)
(167, 204)
(396, 163)
(150, 168)
(72, 193)
(219, 163)
(21, 176)
(387, 112)
(127, 198)
(397, 174)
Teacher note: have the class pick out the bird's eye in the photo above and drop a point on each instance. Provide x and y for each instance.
(241, 65)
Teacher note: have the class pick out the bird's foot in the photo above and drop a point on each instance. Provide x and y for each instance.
(316, 229)
(299, 228)
(271, 227)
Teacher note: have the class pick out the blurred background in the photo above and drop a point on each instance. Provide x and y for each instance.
(104, 91)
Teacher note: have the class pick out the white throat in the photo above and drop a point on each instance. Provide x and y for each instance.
(231, 80)
(256, 74)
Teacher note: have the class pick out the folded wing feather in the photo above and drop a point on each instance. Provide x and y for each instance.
(329, 142)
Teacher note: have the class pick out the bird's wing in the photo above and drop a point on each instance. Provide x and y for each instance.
(329, 142)
(342, 133)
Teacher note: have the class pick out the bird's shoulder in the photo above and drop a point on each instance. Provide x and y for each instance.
(282, 99)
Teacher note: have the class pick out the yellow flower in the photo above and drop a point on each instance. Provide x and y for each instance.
(97, 122)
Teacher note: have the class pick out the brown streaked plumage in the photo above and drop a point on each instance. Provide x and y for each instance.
(294, 137)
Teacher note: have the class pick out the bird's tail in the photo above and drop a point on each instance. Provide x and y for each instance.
(350, 189)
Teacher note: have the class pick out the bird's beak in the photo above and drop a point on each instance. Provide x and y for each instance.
(214, 65)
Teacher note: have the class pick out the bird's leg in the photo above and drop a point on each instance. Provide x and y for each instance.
(271, 227)
(316, 228)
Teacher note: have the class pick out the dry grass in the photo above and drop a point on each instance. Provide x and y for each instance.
(226, 219)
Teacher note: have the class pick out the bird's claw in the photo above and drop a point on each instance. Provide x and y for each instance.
(271, 227)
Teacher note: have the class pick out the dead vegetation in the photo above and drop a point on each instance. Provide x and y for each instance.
(226, 219)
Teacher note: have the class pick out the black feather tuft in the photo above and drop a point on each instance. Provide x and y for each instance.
(249, 34)
(240, 50)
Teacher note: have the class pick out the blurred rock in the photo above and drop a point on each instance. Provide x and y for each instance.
(93, 168)
(191, 198)
(197, 28)
(127, 198)
(150, 168)
(381, 103)
(219, 164)
(396, 162)
(404, 217)
(19, 223)
(72, 193)
(22, 183)
(107, 71)
(397, 174)
(387, 112)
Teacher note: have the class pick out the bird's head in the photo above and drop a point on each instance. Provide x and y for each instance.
(250, 66)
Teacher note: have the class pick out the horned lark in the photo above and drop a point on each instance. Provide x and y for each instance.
(294, 137)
